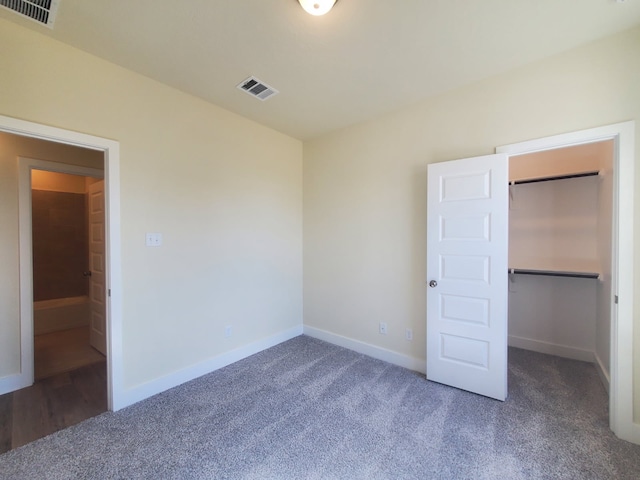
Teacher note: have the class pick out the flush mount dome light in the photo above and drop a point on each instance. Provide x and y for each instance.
(317, 7)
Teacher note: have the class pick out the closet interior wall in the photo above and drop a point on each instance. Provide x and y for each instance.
(562, 225)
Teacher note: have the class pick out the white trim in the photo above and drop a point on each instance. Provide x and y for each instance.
(111, 149)
(58, 167)
(25, 166)
(11, 383)
(406, 361)
(159, 385)
(552, 349)
(621, 373)
(602, 372)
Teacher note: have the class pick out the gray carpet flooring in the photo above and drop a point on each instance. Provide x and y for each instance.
(306, 409)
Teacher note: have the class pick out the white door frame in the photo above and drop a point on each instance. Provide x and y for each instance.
(621, 385)
(111, 149)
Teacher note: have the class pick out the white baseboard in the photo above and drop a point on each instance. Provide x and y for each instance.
(11, 383)
(153, 387)
(631, 433)
(602, 372)
(380, 353)
(552, 349)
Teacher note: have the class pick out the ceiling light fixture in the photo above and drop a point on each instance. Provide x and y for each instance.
(317, 7)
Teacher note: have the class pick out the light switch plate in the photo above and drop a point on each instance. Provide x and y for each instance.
(153, 239)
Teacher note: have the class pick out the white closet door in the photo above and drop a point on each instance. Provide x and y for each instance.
(467, 254)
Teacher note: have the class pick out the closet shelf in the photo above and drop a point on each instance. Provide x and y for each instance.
(556, 177)
(554, 273)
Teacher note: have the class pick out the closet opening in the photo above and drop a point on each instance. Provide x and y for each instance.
(561, 211)
(618, 282)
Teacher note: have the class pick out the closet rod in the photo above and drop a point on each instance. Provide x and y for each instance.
(557, 177)
(552, 273)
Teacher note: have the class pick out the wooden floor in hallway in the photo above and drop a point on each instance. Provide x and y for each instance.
(52, 404)
(70, 386)
(63, 351)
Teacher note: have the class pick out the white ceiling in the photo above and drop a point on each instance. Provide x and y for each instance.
(362, 59)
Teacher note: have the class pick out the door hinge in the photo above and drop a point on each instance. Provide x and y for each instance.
(615, 299)
(109, 292)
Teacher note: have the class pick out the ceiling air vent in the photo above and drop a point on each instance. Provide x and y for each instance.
(41, 11)
(257, 88)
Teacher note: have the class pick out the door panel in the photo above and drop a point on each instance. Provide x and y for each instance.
(467, 252)
(465, 350)
(466, 227)
(471, 268)
(97, 284)
(465, 309)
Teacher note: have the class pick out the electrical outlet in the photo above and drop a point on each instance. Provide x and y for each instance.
(383, 328)
(408, 334)
(227, 331)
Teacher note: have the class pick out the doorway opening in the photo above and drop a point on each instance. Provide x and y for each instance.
(17, 369)
(67, 218)
(62, 219)
(560, 252)
(561, 270)
(603, 254)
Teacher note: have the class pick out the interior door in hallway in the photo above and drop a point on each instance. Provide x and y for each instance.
(97, 280)
(467, 255)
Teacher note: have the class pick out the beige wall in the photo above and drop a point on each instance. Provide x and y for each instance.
(58, 182)
(365, 186)
(225, 192)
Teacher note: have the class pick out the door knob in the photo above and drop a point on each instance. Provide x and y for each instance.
(86, 274)
(433, 284)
